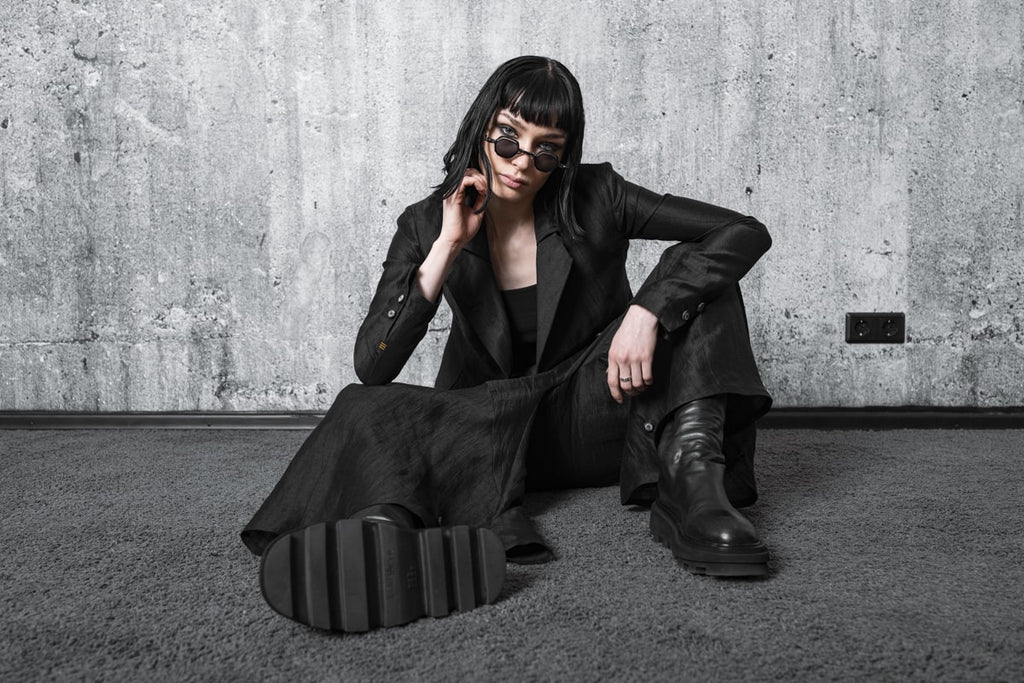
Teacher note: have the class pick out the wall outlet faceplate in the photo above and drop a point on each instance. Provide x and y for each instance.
(876, 328)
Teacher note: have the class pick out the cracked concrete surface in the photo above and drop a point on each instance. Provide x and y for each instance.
(196, 197)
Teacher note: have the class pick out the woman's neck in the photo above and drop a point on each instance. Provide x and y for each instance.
(513, 246)
(507, 219)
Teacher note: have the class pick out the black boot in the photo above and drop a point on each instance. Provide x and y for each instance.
(380, 569)
(692, 514)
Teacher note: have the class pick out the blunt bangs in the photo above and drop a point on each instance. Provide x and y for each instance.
(540, 98)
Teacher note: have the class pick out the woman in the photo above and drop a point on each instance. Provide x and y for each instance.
(554, 375)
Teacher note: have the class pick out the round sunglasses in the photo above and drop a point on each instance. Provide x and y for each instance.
(507, 148)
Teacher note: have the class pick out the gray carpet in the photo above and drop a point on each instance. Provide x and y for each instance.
(896, 555)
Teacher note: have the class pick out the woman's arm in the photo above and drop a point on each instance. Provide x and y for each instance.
(399, 313)
(716, 248)
(409, 290)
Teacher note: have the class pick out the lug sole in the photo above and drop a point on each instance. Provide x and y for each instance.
(353, 575)
(706, 559)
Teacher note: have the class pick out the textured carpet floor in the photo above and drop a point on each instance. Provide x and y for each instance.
(896, 555)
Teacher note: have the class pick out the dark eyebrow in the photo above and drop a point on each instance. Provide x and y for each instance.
(518, 123)
(511, 119)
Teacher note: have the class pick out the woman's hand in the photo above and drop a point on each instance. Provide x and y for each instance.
(631, 355)
(461, 222)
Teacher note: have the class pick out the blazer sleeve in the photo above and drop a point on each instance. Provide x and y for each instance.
(716, 248)
(399, 313)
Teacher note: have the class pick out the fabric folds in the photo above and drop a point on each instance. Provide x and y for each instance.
(468, 456)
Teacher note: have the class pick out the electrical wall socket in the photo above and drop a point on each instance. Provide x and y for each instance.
(876, 328)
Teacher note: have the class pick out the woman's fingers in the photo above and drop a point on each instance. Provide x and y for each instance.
(614, 382)
(461, 222)
(460, 194)
(471, 192)
(632, 379)
(631, 354)
(479, 185)
(628, 380)
(474, 179)
(647, 372)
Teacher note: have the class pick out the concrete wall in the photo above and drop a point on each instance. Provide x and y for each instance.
(196, 197)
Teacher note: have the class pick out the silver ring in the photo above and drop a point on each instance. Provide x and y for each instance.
(623, 380)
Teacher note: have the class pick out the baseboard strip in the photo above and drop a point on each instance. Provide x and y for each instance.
(881, 418)
(875, 418)
(225, 420)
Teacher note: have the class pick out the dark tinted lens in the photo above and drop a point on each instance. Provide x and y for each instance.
(506, 147)
(545, 163)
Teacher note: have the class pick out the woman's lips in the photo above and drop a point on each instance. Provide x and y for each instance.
(509, 181)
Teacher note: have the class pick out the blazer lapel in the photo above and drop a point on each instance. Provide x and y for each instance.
(474, 292)
(553, 266)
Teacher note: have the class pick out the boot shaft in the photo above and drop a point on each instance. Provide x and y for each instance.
(692, 438)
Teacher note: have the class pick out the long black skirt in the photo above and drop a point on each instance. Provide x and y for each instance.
(468, 456)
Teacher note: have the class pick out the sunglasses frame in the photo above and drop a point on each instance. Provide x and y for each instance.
(519, 150)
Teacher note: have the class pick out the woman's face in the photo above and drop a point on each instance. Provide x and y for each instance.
(517, 179)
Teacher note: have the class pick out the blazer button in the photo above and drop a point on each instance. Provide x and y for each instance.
(648, 426)
(685, 316)
(401, 298)
(700, 307)
(391, 313)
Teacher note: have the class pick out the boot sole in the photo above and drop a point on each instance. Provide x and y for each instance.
(354, 575)
(706, 559)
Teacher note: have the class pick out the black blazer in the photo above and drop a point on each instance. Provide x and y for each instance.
(581, 283)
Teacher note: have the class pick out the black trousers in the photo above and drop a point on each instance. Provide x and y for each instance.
(468, 456)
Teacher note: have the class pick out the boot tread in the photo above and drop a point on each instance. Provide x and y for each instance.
(354, 575)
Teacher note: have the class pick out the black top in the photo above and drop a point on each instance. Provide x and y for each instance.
(521, 307)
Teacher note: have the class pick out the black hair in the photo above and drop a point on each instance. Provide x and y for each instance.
(540, 91)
